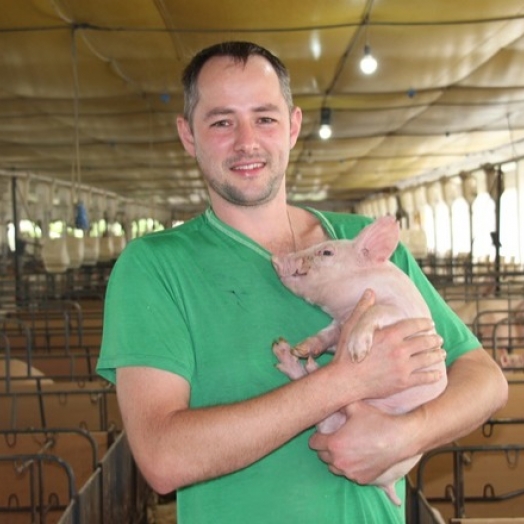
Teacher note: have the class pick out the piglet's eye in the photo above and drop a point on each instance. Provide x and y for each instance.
(327, 253)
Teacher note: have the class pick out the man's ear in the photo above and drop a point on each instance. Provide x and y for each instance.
(295, 125)
(186, 135)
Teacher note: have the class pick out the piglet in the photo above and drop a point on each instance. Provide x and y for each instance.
(334, 275)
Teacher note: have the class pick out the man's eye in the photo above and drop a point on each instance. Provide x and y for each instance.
(220, 123)
(266, 120)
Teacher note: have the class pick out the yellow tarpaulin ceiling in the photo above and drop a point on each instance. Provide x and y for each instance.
(448, 94)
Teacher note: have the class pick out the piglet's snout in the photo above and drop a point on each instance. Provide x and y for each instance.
(302, 266)
(290, 266)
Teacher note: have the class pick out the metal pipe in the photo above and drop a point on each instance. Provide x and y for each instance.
(17, 254)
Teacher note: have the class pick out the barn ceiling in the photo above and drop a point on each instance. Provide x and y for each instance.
(96, 83)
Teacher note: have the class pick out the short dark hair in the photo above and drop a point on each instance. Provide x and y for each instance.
(239, 52)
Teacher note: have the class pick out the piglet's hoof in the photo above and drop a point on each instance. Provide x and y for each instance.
(281, 344)
(360, 345)
(301, 351)
(282, 350)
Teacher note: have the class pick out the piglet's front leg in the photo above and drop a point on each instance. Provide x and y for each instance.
(360, 339)
(287, 362)
(326, 339)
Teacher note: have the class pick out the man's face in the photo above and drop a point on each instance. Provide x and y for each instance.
(242, 130)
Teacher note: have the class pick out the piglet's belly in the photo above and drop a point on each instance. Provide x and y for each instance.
(411, 398)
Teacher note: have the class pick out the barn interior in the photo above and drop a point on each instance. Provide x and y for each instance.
(89, 92)
(89, 95)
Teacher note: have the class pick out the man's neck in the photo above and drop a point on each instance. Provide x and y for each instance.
(267, 224)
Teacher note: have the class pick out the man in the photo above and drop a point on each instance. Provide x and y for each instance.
(191, 314)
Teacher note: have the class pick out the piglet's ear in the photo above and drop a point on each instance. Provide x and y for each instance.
(377, 241)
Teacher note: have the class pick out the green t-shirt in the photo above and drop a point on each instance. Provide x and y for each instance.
(203, 301)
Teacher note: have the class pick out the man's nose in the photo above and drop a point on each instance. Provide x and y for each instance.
(246, 137)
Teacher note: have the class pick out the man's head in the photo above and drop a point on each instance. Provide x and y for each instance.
(238, 52)
(239, 122)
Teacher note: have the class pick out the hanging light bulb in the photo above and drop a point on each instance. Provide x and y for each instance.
(324, 131)
(368, 64)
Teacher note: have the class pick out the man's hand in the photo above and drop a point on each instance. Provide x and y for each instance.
(368, 444)
(399, 356)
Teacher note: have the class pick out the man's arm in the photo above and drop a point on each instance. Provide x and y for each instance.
(371, 441)
(175, 446)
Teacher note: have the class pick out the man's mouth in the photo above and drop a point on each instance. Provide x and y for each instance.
(253, 166)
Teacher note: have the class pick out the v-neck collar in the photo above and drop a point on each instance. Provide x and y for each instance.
(239, 237)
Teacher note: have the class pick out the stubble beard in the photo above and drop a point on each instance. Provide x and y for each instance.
(237, 196)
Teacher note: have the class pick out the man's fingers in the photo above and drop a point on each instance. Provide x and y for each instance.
(423, 344)
(422, 378)
(426, 359)
(412, 327)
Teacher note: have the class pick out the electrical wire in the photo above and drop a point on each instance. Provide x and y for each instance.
(76, 175)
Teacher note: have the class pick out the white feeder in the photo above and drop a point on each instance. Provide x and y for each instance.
(91, 250)
(119, 243)
(75, 248)
(55, 255)
(106, 249)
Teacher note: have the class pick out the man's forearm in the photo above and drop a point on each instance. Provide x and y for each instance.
(176, 446)
(244, 432)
